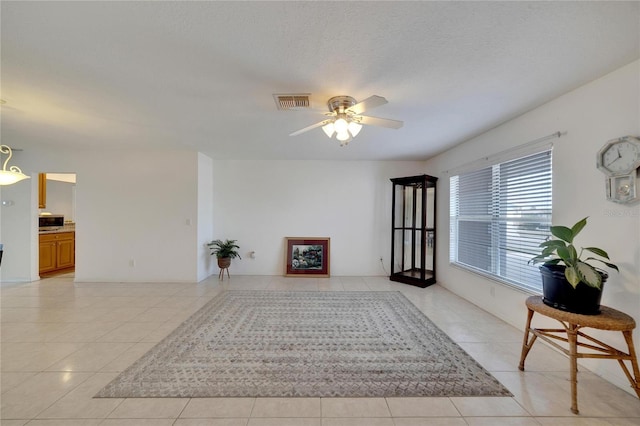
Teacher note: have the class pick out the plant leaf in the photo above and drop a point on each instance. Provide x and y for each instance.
(562, 232)
(553, 244)
(548, 251)
(575, 229)
(598, 251)
(610, 265)
(572, 276)
(537, 259)
(589, 275)
(565, 255)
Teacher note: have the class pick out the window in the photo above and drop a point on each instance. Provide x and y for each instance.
(499, 216)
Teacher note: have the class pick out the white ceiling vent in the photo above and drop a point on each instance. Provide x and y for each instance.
(292, 100)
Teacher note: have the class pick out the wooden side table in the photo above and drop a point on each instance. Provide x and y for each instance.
(608, 319)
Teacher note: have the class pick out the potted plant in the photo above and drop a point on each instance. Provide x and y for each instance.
(569, 282)
(224, 251)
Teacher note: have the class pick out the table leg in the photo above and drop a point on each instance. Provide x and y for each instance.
(635, 383)
(526, 345)
(572, 337)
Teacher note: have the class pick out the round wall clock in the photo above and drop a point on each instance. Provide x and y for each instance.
(618, 160)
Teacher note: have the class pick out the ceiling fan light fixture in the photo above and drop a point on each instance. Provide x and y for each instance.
(340, 125)
(345, 118)
(354, 128)
(328, 129)
(343, 136)
(346, 142)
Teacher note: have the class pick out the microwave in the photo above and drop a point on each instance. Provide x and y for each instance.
(50, 220)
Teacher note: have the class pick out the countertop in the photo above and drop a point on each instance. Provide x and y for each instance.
(57, 229)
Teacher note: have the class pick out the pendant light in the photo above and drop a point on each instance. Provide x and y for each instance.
(14, 174)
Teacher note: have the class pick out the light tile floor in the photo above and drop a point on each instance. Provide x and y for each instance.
(62, 341)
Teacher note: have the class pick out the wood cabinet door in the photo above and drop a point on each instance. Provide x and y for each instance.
(42, 190)
(48, 256)
(66, 254)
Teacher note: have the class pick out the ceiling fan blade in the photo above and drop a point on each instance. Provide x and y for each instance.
(369, 103)
(381, 122)
(313, 126)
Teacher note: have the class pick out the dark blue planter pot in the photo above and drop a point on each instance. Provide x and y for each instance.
(559, 294)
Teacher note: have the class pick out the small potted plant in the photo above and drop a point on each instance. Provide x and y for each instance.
(569, 282)
(224, 251)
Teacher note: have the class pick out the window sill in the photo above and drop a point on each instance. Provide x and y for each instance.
(525, 290)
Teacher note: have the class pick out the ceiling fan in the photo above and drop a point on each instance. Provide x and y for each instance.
(345, 120)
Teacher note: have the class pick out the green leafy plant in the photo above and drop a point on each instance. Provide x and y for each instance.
(562, 251)
(222, 249)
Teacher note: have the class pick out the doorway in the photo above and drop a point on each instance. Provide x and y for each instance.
(57, 223)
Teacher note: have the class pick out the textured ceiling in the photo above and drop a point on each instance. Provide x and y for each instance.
(200, 75)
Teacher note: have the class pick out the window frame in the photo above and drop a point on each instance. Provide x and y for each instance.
(505, 253)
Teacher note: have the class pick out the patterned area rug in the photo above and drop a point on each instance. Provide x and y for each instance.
(306, 344)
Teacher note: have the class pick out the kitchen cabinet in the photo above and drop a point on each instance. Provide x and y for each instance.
(42, 190)
(47, 256)
(57, 252)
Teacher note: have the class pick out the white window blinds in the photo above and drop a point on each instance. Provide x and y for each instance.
(499, 216)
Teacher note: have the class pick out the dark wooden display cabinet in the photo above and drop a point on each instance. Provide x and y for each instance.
(413, 232)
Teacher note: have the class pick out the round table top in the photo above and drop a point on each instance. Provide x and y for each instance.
(608, 319)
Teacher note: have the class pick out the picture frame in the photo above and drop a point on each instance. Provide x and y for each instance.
(307, 256)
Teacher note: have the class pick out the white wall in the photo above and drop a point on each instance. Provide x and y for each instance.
(206, 266)
(60, 199)
(591, 115)
(18, 223)
(139, 206)
(142, 208)
(259, 203)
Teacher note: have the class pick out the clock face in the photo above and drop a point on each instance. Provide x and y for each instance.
(620, 157)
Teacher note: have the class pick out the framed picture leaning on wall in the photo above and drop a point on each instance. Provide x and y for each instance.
(307, 256)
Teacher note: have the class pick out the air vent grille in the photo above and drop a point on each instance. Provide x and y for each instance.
(293, 100)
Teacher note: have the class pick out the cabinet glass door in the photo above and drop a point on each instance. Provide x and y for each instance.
(413, 233)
